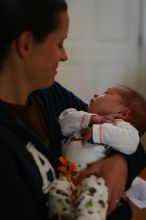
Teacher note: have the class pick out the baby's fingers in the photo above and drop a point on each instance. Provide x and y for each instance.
(87, 135)
(110, 118)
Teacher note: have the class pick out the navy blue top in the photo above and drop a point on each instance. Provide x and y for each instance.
(26, 162)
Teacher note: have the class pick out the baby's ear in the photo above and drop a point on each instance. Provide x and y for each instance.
(124, 113)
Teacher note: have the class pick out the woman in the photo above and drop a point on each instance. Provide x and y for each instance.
(31, 47)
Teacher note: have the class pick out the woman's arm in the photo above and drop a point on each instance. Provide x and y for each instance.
(136, 162)
(125, 167)
(114, 170)
(118, 171)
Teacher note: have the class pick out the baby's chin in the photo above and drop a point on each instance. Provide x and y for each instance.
(89, 109)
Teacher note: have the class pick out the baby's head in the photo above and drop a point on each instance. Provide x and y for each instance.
(125, 102)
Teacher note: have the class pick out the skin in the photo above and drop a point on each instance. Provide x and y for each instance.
(109, 102)
(107, 106)
(107, 169)
(31, 65)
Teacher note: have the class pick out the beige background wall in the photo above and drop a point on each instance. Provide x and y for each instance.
(105, 46)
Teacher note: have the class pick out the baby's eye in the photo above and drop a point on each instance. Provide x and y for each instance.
(104, 93)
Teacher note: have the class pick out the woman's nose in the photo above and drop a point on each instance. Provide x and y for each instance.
(64, 56)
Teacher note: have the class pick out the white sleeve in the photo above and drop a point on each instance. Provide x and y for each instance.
(122, 137)
(72, 120)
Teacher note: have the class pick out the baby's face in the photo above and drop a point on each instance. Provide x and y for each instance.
(106, 103)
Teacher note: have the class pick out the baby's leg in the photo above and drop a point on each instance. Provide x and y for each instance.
(92, 201)
(60, 197)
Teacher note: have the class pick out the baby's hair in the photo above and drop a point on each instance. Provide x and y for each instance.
(137, 106)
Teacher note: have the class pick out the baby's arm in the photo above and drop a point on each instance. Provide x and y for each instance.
(122, 137)
(72, 121)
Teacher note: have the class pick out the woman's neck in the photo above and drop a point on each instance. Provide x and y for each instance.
(12, 90)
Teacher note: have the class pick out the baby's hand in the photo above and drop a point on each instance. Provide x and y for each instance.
(87, 135)
(97, 119)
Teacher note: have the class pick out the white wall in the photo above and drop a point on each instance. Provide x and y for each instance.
(144, 45)
(103, 46)
(144, 58)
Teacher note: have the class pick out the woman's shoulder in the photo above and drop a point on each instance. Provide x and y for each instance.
(61, 97)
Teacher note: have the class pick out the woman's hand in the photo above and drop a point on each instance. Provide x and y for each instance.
(115, 172)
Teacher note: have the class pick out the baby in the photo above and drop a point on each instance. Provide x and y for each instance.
(90, 136)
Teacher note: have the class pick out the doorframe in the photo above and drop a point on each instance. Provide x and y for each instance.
(143, 57)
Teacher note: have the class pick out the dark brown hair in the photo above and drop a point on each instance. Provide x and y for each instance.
(137, 106)
(38, 16)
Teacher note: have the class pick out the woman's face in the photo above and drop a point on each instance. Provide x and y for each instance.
(44, 57)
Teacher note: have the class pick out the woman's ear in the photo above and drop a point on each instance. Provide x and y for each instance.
(24, 43)
(124, 113)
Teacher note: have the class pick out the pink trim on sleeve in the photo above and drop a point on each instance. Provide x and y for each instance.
(82, 120)
(100, 133)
